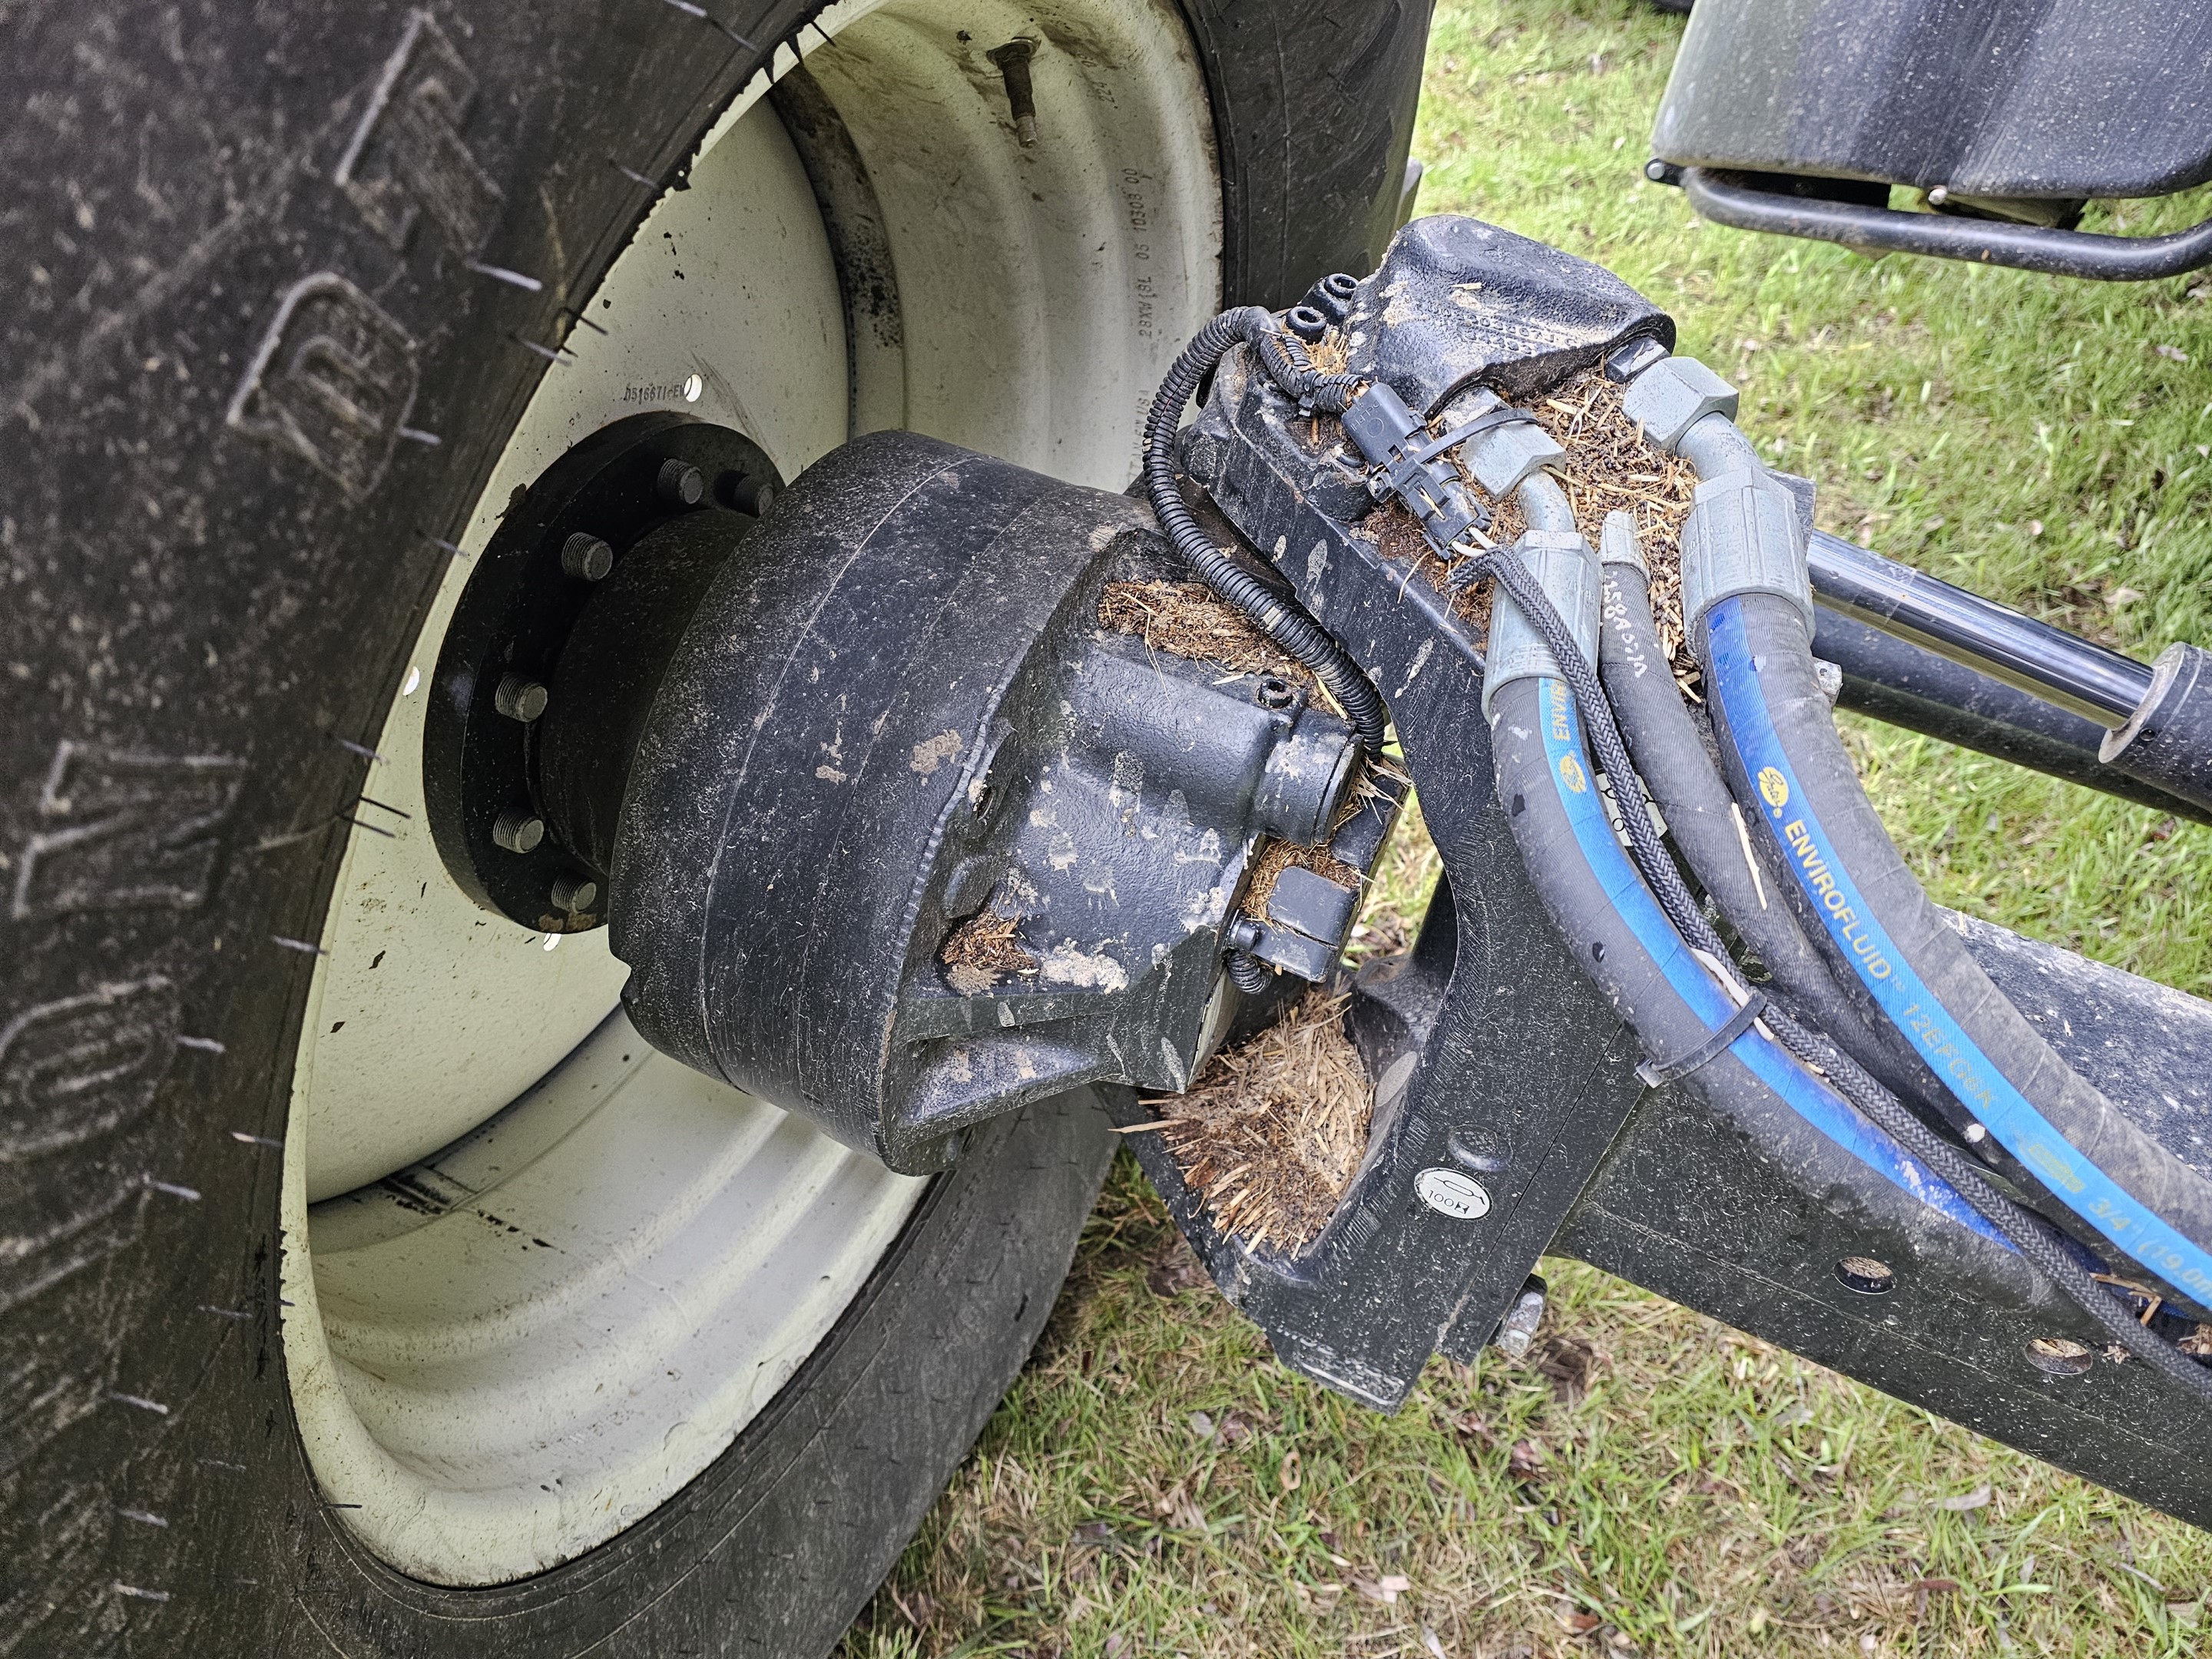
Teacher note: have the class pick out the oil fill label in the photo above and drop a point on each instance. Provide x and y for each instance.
(1942, 1042)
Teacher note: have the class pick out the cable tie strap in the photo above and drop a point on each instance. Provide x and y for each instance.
(1654, 1073)
(1507, 415)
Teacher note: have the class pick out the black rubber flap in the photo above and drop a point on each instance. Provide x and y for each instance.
(1459, 303)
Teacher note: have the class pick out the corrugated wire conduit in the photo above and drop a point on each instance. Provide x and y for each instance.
(1645, 940)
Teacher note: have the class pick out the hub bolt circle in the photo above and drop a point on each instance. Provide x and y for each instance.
(519, 699)
(586, 557)
(518, 831)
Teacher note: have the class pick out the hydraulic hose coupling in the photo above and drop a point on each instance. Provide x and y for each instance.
(1743, 534)
(1567, 567)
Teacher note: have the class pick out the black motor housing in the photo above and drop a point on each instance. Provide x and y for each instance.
(895, 710)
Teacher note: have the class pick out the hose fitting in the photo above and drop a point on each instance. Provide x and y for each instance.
(1566, 568)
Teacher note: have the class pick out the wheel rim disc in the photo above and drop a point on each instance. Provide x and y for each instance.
(549, 1274)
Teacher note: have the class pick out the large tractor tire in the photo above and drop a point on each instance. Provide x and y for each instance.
(367, 1286)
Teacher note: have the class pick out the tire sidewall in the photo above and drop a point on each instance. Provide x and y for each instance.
(217, 576)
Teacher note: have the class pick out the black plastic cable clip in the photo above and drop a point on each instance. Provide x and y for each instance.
(1654, 1074)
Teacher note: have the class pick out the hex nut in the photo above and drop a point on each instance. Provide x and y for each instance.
(1675, 394)
(586, 557)
(519, 698)
(518, 831)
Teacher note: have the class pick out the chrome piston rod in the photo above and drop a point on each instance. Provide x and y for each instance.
(2075, 674)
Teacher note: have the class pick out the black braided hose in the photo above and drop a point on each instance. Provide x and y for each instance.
(2037, 1241)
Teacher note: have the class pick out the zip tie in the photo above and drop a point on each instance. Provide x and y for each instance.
(1654, 1073)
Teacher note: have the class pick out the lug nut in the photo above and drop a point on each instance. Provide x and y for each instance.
(679, 483)
(586, 557)
(518, 832)
(575, 894)
(519, 699)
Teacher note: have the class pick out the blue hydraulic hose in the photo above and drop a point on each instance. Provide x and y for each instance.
(1889, 977)
(1820, 1106)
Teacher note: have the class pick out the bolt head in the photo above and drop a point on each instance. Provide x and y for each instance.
(518, 831)
(679, 483)
(519, 698)
(574, 894)
(586, 557)
(1275, 692)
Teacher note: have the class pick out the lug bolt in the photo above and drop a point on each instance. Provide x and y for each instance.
(1013, 62)
(679, 483)
(519, 699)
(586, 557)
(752, 495)
(518, 832)
(575, 894)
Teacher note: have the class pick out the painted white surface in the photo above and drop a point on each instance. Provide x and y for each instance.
(610, 1263)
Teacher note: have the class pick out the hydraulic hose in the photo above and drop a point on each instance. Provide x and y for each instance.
(1639, 960)
(1828, 846)
(1283, 357)
(2027, 1233)
(1670, 752)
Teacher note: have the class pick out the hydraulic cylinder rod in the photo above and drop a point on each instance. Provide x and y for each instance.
(2075, 674)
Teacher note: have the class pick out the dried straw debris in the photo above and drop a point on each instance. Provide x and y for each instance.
(1272, 1131)
(1608, 466)
(1188, 619)
(983, 950)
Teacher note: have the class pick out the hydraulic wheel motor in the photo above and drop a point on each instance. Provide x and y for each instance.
(890, 827)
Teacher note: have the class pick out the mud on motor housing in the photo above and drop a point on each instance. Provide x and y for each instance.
(796, 754)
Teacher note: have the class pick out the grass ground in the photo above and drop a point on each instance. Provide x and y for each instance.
(1155, 1484)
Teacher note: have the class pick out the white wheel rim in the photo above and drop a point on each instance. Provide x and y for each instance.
(549, 1274)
